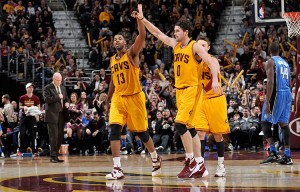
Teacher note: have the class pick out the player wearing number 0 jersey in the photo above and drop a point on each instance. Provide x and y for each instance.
(186, 81)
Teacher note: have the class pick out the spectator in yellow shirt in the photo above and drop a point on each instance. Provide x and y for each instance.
(9, 6)
(106, 15)
(20, 8)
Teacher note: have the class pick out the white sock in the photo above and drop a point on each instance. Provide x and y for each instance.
(153, 155)
(189, 155)
(199, 159)
(220, 160)
(117, 161)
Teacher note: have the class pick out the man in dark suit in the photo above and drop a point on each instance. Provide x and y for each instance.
(56, 110)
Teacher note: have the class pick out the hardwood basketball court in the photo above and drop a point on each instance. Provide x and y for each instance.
(87, 173)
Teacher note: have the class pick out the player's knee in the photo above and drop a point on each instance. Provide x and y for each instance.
(285, 135)
(218, 137)
(180, 128)
(144, 136)
(266, 127)
(201, 135)
(115, 133)
(193, 132)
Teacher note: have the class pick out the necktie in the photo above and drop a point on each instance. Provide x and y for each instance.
(57, 88)
(58, 91)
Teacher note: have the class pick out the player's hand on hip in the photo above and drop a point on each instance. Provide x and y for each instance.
(216, 87)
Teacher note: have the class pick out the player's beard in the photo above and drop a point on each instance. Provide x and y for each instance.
(120, 47)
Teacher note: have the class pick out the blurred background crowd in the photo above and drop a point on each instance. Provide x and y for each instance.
(27, 31)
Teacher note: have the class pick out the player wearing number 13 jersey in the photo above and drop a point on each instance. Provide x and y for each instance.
(128, 101)
(123, 70)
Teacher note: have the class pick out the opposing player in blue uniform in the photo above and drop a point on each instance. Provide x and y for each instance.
(277, 105)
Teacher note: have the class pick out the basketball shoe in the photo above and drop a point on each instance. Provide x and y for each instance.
(123, 151)
(285, 160)
(190, 167)
(202, 172)
(220, 172)
(272, 158)
(156, 170)
(117, 173)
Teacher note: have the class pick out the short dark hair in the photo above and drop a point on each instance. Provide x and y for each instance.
(185, 24)
(274, 48)
(6, 96)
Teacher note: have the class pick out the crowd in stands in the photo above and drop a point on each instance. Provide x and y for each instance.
(30, 30)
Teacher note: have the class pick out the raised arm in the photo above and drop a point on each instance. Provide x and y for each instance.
(140, 39)
(154, 30)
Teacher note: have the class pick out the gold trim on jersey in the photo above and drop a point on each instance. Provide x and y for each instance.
(185, 66)
(125, 75)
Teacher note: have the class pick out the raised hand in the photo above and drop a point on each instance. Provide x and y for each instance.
(138, 14)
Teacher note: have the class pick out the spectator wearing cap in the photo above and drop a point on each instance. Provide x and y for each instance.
(28, 122)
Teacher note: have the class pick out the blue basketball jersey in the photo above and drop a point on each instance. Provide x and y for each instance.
(281, 99)
(282, 74)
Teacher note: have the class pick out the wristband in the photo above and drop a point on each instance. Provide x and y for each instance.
(142, 18)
